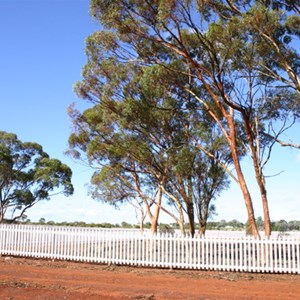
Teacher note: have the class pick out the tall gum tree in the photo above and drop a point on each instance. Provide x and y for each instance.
(138, 136)
(237, 52)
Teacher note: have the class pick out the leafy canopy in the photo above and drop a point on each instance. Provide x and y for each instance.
(28, 175)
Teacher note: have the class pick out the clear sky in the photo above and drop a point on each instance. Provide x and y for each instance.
(42, 54)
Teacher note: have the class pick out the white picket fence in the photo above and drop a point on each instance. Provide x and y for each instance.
(109, 246)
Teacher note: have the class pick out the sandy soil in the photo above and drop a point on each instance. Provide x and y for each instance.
(24, 278)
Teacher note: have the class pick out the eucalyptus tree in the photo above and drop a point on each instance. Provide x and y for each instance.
(238, 55)
(195, 177)
(113, 136)
(27, 176)
(143, 139)
(119, 157)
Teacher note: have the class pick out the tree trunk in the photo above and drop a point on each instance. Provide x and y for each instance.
(190, 207)
(265, 205)
(142, 226)
(248, 203)
(190, 213)
(202, 227)
(154, 217)
(202, 218)
(2, 208)
(143, 216)
(267, 220)
(258, 174)
(241, 178)
(180, 222)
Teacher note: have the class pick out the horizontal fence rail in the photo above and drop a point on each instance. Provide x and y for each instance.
(228, 253)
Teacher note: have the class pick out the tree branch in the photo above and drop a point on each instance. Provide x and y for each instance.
(282, 143)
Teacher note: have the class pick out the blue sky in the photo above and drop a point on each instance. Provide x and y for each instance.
(42, 54)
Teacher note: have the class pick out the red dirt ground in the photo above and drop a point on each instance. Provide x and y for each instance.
(24, 278)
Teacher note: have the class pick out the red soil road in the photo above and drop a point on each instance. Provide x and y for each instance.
(24, 278)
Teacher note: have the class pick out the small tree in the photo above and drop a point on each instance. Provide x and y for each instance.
(28, 176)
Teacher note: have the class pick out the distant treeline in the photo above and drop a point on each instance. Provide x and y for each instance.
(280, 225)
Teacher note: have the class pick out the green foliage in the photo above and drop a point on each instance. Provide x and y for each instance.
(280, 226)
(146, 138)
(27, 176)
(166, 228)
(42, 220)
(126, 225)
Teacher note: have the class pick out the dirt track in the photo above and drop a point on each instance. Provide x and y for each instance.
(22, 278)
